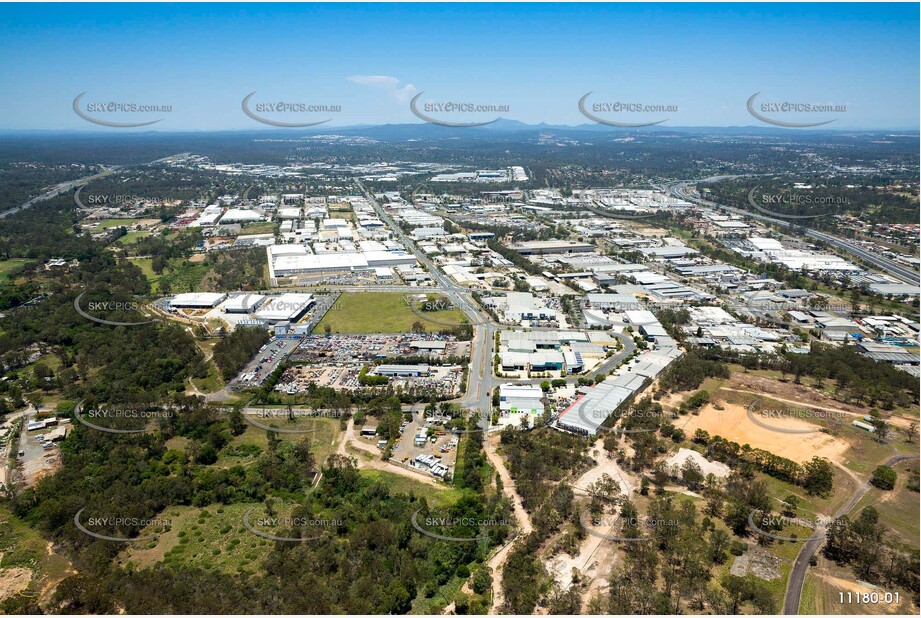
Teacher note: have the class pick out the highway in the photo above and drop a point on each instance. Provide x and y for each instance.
(57, 190)
(901, 272)
(73, 184)
(480, 378)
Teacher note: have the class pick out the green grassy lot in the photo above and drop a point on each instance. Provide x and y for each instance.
(810, 506)
(807, 600)
(828, 389)
(182, 275)
(7, 265)
(131, 237)
(383, 312)
(322, 441)
(211, 538)
(213, 381)
(405, 485)
(107, 224)
(262, 227)
(898, 509)
(214, 537)
(210, 383)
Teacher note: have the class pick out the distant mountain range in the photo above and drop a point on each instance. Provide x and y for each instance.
(508, 127)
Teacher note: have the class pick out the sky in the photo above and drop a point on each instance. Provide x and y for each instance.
(534, 61)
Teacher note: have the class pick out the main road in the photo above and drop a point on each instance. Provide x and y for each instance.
(904, 273)
(73, 184)
(480, 378)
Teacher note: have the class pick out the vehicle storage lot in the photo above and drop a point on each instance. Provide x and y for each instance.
(443, 449)
(336, 361)
(344, 348)
(264, 362)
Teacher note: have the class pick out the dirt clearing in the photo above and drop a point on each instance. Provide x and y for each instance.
(733, 423)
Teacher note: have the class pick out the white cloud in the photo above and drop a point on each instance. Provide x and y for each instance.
(390, 85)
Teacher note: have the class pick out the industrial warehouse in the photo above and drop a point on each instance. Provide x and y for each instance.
(293, 260)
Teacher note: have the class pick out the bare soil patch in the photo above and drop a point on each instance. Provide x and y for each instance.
(733, 423)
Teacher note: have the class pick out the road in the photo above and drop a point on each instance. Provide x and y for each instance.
(57, 190)
(73, 184)
(480, 380)
(794, 591)
(899, 271)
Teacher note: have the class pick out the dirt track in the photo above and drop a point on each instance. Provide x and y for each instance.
(524, 521)
(375, 463)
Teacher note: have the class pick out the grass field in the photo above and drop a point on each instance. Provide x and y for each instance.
(7, 265)
(322, 441)
(404, 485)
(383, 312)
(212, 538)
(898, 509)
(263, 227)
(182, 276)
(107, 224)
(131, 237)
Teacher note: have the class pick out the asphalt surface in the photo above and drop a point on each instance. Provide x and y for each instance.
(481, 381)
(901, 272)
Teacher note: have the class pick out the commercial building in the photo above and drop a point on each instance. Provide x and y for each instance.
(197, 300)
(543, 247)
(243, 303)
(285, 308)
(413, 371)
(515, 398)
(241, 215)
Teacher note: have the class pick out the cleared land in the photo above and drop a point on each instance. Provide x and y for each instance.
(733, 423)
(383, 312)
(28, 563)
(7, 265)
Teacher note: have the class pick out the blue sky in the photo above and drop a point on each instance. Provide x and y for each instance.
(538, 59)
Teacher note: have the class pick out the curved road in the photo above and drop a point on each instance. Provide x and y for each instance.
(798, 574)
(900, 271)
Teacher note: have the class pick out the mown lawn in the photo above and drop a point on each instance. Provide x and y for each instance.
(8, 265)
(383, 312)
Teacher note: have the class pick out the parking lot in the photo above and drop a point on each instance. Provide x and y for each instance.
(444, 381)
(346, 348)
(264, 362)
